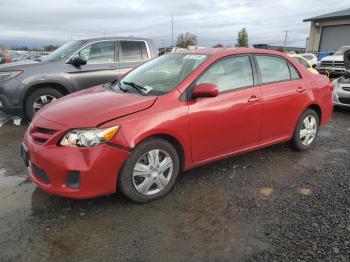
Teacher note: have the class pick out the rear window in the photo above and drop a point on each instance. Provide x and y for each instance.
(133, 51)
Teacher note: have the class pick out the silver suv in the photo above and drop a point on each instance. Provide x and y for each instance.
(27, 86)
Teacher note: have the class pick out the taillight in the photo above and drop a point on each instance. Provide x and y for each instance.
(331, 86)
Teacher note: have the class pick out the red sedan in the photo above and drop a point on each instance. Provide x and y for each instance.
(169, 115)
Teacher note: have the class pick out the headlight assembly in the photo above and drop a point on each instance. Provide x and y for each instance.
(9, 75)
(88, 137)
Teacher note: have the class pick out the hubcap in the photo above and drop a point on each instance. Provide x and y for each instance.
(152, 172)
(42, 101)
(308, 130)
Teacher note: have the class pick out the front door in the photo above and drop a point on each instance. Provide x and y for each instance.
(101, 66)
(231, 121)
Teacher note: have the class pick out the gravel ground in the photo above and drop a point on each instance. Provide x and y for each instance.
(274, 204)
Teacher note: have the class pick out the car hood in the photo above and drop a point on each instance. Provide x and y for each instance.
(94, 106)
(333, 58)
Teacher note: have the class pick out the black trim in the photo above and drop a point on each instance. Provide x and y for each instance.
(117, 146)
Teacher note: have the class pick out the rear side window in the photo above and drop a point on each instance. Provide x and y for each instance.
(273, 69)
(293, 72)
(229, 73)
(133, 51)
(302, 61)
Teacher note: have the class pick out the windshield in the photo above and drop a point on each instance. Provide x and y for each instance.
(342, 50)
(161, 75)
(63, 52)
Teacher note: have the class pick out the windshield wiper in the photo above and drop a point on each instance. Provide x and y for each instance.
(117, 82)
(139, 88)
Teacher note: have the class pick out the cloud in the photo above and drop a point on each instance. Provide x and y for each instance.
(34, 22)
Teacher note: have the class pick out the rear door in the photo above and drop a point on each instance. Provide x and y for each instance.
(132, 53)
(101, 66)
(231, 121)
(284, 96)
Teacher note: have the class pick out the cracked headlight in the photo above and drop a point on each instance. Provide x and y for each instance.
(87, 137)
(9, 75)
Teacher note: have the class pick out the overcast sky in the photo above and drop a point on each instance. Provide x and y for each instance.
(39, 22)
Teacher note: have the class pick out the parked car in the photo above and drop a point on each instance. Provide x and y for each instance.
(341, 93)
(27, 86)
(2, 59)
(171, 114)
(304, 62)
(311, 58)
(333, 65)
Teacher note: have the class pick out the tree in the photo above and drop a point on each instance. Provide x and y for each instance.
(186, 40)
(218, 46)
(50, 48)
(242, 39)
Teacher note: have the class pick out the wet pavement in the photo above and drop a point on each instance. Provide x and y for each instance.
(274, 204)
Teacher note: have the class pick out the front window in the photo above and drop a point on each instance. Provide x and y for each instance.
(64, 51)
(163, 74)
(229, 74)
(99, 52)
(342, 50)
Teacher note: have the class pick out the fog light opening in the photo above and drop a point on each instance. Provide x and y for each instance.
(73, 179)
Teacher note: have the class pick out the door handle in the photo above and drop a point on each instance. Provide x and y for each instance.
(253, 99)
(300, 89)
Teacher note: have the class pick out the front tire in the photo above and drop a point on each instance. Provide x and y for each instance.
(306, 130)
(38, 99)
(150, 172)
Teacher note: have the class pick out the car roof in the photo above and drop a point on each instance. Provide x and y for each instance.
(93, 39)
(219, 52)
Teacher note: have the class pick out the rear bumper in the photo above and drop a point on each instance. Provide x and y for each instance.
(98, 168)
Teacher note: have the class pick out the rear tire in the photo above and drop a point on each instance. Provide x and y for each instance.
(143, 179)
(306, 130)
(38, 99)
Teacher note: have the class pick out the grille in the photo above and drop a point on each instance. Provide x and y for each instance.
(338, 64)
(39, 174)
(40, 135)
(332, 63)
(344, 100)
(346, 88)
(327, 63)
(46, 131)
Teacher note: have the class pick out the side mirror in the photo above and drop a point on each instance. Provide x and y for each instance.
(205, 90)
(78, 61)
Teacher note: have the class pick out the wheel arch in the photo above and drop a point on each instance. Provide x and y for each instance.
(57, 86)
(317, 109)
(173, 141)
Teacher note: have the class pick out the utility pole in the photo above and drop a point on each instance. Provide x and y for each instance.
(285, 40)
(172, 30)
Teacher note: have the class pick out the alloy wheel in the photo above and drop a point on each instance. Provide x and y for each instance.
(41, 101)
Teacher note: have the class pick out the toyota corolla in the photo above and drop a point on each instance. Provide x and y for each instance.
(171, 114)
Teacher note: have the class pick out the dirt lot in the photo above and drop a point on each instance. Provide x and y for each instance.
(274, 204)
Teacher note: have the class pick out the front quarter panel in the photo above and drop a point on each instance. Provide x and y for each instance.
(168, 116)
